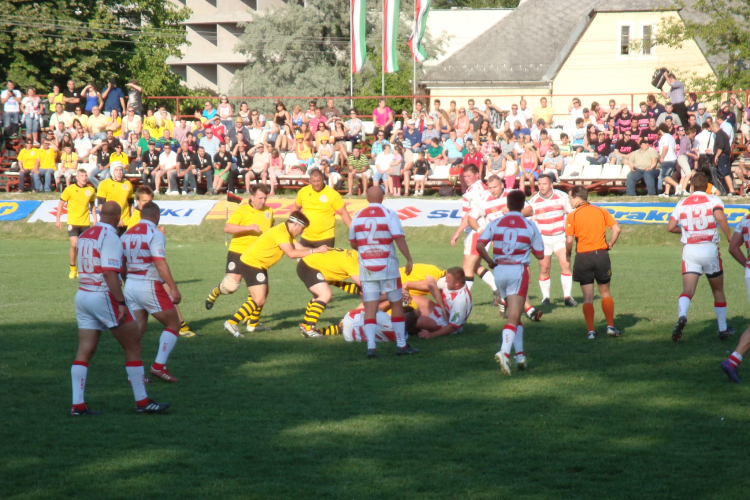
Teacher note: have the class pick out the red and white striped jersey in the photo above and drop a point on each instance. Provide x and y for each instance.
(142, 244)
(488, 210)
(373, 230)
(458, 302)
(354, 327)
(474, 196)
(549, 213)
(99, 250)
(513, 238)
(696, 217)
(743, 227)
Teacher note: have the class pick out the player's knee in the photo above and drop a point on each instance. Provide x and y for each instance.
(228, 286)
(260, 301)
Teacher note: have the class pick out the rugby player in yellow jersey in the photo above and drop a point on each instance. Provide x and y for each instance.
(143, 195)
(320, 204)
(117, 188)
(255, 261)
(80, 198)
(245, 225)
(319, 270)
(414, 284)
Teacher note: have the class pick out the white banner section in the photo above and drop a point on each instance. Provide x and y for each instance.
(419, 213)
(175, 213)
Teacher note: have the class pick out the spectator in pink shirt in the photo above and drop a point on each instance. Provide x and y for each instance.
(382, 116)
(316, 119)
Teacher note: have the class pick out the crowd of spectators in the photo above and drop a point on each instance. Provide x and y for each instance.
(94, 129)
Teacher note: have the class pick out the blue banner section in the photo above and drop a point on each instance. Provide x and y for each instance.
(658, 213)
(17, 210)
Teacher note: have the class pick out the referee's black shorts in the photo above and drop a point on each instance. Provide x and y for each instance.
(329, 242)
(590, 266)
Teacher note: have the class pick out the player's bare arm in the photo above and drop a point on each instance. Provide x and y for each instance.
(735, 248)
(404, 248)
(58, 224)
(435, 292)
(526, 212)
(472, 222)
(166, 274)
(569, 240)
(241, 230)
(615, 235)
(673, 226)
(484, 254)
(342, 212)
(721, 220)
(464, 223)
(92, 209)
(446, 330)
(295, 253)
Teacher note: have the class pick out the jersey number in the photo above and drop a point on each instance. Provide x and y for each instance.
(371, 225)
(697, 219)
(133, 249)
(510, 237)
(87, 255)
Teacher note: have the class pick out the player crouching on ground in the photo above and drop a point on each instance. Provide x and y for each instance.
(452, 306)
(513, 239)
(319, 270)
(352, 327)
(100, 305)
(255, 261)
(143, 195)
(741, 235)
(587, 226)
(80, 198)
(246, 224)
(373, 232)
(698, 216)
(143, 246)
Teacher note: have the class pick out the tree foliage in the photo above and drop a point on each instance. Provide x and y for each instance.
(48, 41)
(475, 4)
(725, 33)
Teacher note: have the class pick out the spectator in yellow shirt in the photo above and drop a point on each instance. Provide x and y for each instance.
(543, 111)
(68, 166)
(28, 161)
(46, 166)
(119, 155)
(96, 124)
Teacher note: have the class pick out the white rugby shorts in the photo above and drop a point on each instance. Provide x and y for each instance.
(470, 243)
(553, 243)
(700, 258)
(438, 317)
(372, 289)
(512, 280)
(356, 333)
(97, 310)
(147, 294)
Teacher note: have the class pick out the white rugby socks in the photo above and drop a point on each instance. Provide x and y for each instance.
(509, 334)
(567, 284)
(470, 282)
(544, 286)
(399, 328)
(371, 328)
(489, 278)
(136, 376)
(720, 308)
(78, 373)
(518, 340)
(167, 342)
(683, 304)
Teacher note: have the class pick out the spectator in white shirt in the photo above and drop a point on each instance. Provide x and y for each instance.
(515, 116)
(575, 109)
(667, 158)
(525, 112)
(11, 100)
(726, 127)
(167, 165)
(59, 116)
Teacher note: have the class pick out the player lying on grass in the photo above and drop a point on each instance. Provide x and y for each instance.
(144, 195)
(741, 236)
(451, 306)
(144, 249)
(319, 270)
(513, 238)
(352, 327)
(80, 198)
(100, 305)
(698, 218)
(245, 225)
(258, 258)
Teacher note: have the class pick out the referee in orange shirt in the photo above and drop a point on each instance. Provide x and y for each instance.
(587, 225)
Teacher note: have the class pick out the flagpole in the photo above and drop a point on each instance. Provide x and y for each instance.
(226, 219)
(382, 67)
(351, 55)
(413, 84)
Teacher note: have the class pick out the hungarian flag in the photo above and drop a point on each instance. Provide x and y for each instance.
(232, 198)
(391, 10)
(359, 20)
(421, 9)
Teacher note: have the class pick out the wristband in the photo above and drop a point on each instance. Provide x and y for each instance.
(311, 251)
(121, 302)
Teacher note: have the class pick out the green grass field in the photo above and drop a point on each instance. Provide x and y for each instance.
(276, 416)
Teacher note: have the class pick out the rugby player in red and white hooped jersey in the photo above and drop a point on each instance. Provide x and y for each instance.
(698, 218)
(513, 238)
(373, 232)
(492, 208)
(143, 247)
(550, 208)
(100, 305)
(741, 236)
(473, 198)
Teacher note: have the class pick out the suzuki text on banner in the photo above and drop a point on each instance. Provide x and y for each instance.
(17, 210)
(175, 213)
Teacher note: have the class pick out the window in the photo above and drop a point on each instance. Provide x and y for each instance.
(647, 40)
(624, 40)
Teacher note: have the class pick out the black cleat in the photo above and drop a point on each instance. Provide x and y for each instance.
(677, 330)
(535, 316)
(570, 302)
(209, 304)
(74, 412)
(726, 333)
(545, 302)
(406, 350)
(372, 353)
(152, 407)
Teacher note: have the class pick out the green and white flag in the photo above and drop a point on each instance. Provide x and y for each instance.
(359, 49)
(391, 11)
(421, 9)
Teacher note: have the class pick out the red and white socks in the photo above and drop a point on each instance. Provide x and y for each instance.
(720, 308)
(167, 342)
(683, 304)
(509, 335)
(735, 359)
(371, 329)
(399, 328)
(545, 285)
(78, 373)
(567, 284)
(136, 376)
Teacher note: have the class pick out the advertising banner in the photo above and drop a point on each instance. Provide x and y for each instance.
(176, 213)
(658, 213)
(17, 210)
